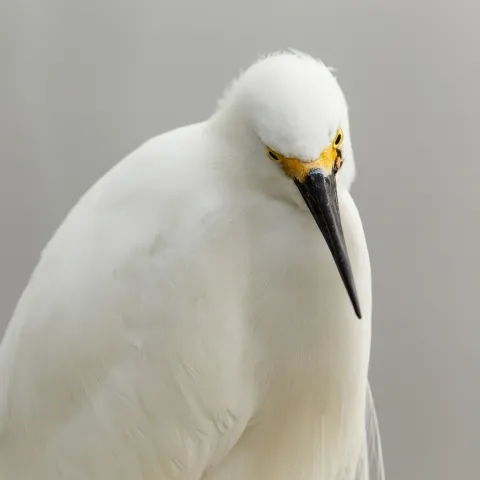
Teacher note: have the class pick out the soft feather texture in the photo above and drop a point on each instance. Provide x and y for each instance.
(187, 321)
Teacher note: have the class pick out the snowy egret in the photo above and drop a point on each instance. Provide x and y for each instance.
(190, 319)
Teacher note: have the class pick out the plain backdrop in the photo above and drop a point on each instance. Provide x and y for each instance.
(82, 83)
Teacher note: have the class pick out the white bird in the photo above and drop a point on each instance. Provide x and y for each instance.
(195, 315)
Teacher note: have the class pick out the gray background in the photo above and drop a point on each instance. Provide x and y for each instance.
(83, 83)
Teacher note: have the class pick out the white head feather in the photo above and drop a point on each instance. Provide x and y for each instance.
(291, 102)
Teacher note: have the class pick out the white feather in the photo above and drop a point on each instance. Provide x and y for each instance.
(187, 321)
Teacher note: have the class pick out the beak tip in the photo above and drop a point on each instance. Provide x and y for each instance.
(358, 311)
(354, 299)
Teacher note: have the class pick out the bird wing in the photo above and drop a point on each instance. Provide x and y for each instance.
(103, 374)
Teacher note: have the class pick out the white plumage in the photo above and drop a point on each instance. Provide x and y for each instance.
(187, 320)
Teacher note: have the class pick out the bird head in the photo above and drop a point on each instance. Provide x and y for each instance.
(296, 113)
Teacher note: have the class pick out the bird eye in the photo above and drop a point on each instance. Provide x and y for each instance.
(338, 138)
(273, 156)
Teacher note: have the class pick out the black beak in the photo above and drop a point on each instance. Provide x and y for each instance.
(319, 190)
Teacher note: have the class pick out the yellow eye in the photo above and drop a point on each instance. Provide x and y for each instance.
(337, 143)
(274, 156)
